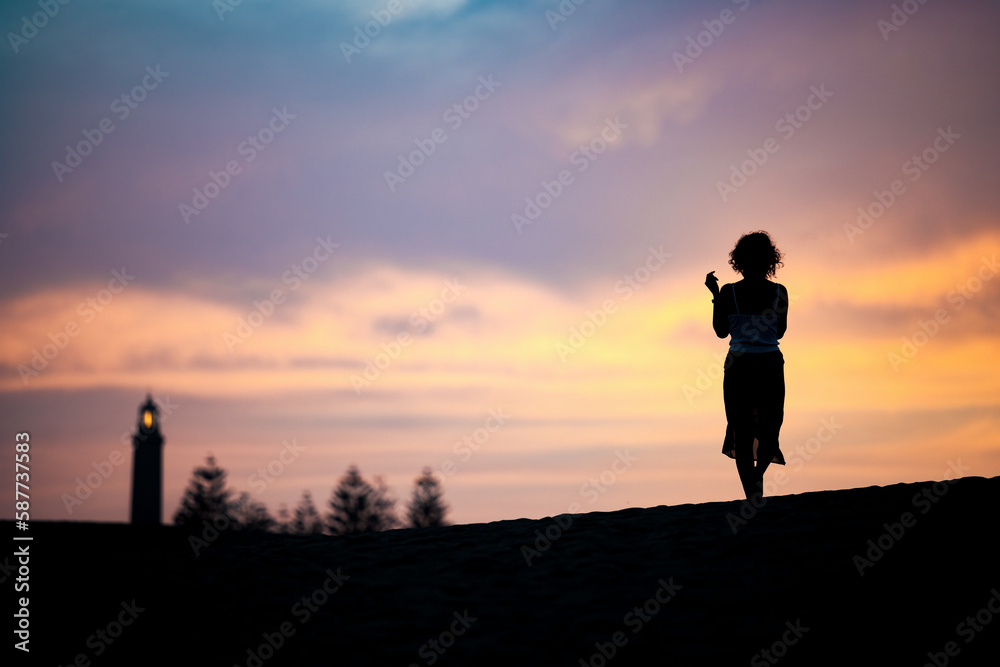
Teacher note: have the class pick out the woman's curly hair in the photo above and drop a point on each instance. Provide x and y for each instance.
(755, 255)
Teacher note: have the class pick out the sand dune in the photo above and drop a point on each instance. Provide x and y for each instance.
(880, 575)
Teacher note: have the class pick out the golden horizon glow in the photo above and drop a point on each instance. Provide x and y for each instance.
(508, 331)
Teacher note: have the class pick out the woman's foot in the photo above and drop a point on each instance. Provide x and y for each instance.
(754, 489)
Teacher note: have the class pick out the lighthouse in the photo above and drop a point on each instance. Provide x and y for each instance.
(147, 467)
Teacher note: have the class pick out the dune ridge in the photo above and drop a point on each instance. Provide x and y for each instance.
(877, 575)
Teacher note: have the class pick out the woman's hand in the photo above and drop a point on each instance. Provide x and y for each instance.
(712, 283)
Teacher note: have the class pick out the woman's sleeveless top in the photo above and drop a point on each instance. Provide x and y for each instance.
(753, 333)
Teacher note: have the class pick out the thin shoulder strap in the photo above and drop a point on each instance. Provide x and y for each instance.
(734, 299)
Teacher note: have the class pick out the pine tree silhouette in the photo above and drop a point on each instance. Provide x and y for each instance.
(248, 514)
(426, 507)
(207, 499)
(283, 522)
(306, 520)
(358, 507)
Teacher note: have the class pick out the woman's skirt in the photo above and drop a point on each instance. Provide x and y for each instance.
(754, 392)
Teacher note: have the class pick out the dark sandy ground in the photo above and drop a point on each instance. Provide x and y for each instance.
(658, 586)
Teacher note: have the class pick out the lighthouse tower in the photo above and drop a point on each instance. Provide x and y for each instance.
(147, 467)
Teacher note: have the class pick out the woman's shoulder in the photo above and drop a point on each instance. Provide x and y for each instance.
(769, 288)
(781, 294)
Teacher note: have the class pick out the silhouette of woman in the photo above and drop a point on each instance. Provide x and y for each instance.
(754, 312)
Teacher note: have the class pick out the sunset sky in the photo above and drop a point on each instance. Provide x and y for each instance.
(473, 236)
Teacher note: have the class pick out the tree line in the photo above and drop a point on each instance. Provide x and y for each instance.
(355, 506)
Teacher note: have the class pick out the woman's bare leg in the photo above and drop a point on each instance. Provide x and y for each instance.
(744, 463)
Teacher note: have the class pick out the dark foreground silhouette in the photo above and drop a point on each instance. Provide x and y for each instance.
(873, 576)
(753, 313)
